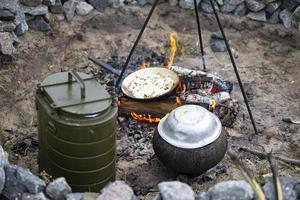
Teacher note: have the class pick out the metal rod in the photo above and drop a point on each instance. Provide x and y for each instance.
(234, 67)
(136, 42)
(199, 34)
(105, 65)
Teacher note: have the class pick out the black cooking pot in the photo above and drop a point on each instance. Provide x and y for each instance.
(190, 140)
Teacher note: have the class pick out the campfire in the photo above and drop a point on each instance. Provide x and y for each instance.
(194, 87)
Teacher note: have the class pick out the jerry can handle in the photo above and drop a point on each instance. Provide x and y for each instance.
(79, 80)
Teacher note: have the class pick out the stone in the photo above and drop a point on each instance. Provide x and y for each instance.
(31, 2)
(235, 2)
(16, 40)
(6, 45)
(38, 10)
(290, 4)
(31, 182)
(228, 8)
(6, 15)
(188, 4)
(287, 18)
(142, 2)
(57, 8)
(228, 190)
(274, 18)
(255, 5)
(117, 190)
(13, 189)
(272, 7)
(38, 23)
(258, 16)
(173, 2)
(99, 5)
(206, 6)
(241, 10)
(296, 13)
(2, 179)
(7, 26)
(116, 3)
(21, 29)
(49, 2)
(83, 8)
(70, 8)
(217, 43)
(288, 188)
(75, 196)
(175, 190)
(58, 189)
(2, 157)
(38, 196)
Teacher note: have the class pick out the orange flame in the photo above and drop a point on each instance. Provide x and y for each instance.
(173, 48)
(181, 88)
(144, 118)
(119, 103)
(178, 101)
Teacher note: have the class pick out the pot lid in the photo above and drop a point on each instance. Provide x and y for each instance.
(190, 126)
(76, 93)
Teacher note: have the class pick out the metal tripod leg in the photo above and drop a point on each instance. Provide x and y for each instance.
(136, 42)
(199, 34)
(234, 67)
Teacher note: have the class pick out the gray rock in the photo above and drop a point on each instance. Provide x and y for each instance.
(6, 15)
(188, 4)
(2, 179)
(274, 18)
(117, 190)
(173, 2)
(229, 190)
(16, 40)
(255, 5)
(49, 2)
(21, 28)
(290, 4)
(57, 8)
(296, 13)
(99, 5)
(38, 10)
(58, 189)
(206, 6)
(217, 43)
(31, 182)
(288, 188)
(31, 2)
(69, 9)
(258, 16)
(142, 2)
(7, 26)
(75, 196)
(287, 18)
(13, 189)
(38, 196)
(116, 3)
(241, 10)
(83, 8)
(228, 8)
(235, 2)
(175, 190)
(2, 157)
(272, 7)
(6, 46)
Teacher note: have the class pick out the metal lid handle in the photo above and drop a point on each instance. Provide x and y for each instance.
(79, 80)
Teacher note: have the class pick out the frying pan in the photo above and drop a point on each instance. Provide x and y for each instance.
(163, 72)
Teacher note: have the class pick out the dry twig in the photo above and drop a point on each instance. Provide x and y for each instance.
(251, 180)
(262, 155)
(276, 179)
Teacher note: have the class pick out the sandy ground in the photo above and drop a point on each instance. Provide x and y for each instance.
(268, 58)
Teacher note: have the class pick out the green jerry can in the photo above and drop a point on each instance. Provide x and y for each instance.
(77, 122)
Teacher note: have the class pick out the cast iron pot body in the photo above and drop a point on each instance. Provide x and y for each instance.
(192, 161)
